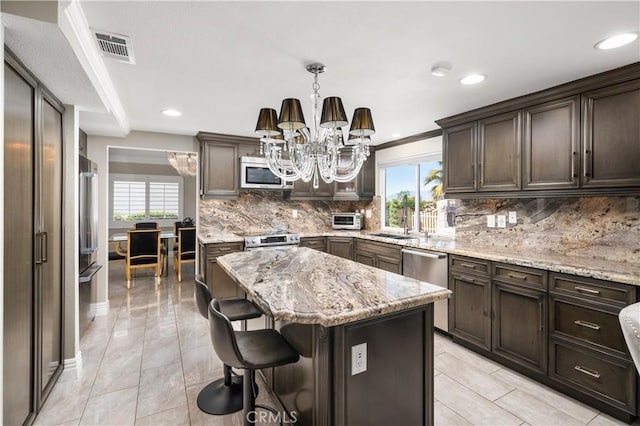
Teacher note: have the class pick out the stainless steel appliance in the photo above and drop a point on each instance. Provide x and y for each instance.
(267, 241)
(255, 173)
(431, 267)
(346, 221)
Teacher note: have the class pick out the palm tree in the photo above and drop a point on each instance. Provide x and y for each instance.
(435, 175)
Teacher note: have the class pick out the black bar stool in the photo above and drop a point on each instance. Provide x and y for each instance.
(248, 350)
(223, 396)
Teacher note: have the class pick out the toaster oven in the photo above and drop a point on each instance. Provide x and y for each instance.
(346, 221)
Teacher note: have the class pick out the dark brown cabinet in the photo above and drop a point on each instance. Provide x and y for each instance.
(611, 136)
(380, 255)
(588, 352)
(219, 283)
(551, 157)
(360, 188)
(470, 309)
(459, 152)
(340, 246)
(305, 190)
(220, 157)
(519, 326)
(499, 153)
(316, 243)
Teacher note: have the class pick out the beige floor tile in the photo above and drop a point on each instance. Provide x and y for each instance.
(159, 352)
(534, 411)
(605, 420)
(125, 340)
(478, 361)
(444, 416)
(557, 400)
(200, 365)
(471, 377)
(160, 389)
(178, 416)
(65, 403)
(119, 370)
(114, 408)
(472, 407)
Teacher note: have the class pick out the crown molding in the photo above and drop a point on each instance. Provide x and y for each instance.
(409, 139)
(74, 26)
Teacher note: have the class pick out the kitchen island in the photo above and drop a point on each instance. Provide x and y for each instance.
(365, 336)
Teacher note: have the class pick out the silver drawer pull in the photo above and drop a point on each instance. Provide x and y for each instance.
(517, 276)
(586, 290)
(224, 249)
(587, 371)
(587, 324)
(468, 265)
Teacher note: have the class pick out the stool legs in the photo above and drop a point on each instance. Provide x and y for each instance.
(249, 400)
(224, 396)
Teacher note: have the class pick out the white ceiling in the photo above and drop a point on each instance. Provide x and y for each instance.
(220, 62)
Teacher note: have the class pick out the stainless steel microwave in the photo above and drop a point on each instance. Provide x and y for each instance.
(255, 173)
(346, 221)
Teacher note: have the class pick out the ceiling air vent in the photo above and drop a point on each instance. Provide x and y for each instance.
(115, 46)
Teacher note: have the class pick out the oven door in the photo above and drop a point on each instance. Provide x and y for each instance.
(269, 247)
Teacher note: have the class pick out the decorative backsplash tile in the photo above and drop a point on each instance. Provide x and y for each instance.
(599, 227)
(260, 211)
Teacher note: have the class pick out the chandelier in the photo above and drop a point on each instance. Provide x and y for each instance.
(186, 163)
(293, 151)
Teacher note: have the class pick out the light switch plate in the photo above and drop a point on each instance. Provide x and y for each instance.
(358, 359)
(513, 218)
(502, 221)
(294, 213)
(491, 221)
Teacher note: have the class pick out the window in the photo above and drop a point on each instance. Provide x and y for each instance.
(410, 190)
(135, 198)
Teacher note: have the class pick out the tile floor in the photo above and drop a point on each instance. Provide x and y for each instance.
(145, 362)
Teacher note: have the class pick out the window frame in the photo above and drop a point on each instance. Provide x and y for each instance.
(147, 179)
(414, 161)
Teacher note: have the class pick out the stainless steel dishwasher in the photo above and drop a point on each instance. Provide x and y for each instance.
(431, 267)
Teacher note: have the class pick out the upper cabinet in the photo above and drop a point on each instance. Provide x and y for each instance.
(581, 138)
(363, 186)
(220, 162)
(305, 191)
(611, 136)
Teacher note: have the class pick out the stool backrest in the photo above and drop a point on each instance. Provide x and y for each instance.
(203, 297)
(223, 337)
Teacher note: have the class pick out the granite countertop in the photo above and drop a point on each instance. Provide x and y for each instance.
(310, 287)
(621, 272)
(207, 237)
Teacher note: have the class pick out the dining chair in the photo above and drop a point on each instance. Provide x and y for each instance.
(186, 252)
(143, 251)
(145, 225)
(116, 251)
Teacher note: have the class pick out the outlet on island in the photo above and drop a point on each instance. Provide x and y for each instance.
(358, 359)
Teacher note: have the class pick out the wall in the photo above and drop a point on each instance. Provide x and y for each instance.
(599, 227)
(261, 211)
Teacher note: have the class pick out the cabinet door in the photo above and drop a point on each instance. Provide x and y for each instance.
(339, 246)
(459, 148)
(390, 264)
(551, 145)
(316, 243)
(365, 257)
(611, 136)
(499, 151)
(469, 309)
(519, 326)
(220, 169)
(367, 178)
(305, 190)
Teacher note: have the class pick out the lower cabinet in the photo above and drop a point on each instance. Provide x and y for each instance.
(316, 243)
(381, 255)
(340, 246)
(219, 283)
(469, 309)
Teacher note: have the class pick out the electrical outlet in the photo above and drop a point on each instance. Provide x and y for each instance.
(367, 214)
(502, 221)
(513, 218)
(294, 213)
(491, 221)
(358, 359)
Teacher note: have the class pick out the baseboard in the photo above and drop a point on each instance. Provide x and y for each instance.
(71, 364)
(99, 309)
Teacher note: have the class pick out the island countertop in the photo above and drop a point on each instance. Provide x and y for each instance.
(306, 286)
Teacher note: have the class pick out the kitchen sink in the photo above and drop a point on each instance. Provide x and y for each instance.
(395, 236)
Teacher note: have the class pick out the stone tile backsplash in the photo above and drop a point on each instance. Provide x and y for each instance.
(261, 211)
(600, 227)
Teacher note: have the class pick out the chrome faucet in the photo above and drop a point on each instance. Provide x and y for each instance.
(404, 215)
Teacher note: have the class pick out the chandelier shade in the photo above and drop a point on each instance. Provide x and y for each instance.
(185, 163)
(317, 151)
(333, 114)
(267, 123)
(291, 117)
(362, 123)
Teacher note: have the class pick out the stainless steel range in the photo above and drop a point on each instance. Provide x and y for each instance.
(265, 241)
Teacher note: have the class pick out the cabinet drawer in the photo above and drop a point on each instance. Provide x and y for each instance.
(215, 250)
(606, 378)
(389, 250)
(521, 275)
(469, 265)
(589, 288)
(598, 326)
(316, 243)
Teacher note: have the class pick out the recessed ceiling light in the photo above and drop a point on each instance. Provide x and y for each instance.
(395, 135)
(171, 112)
(472, 78)
(616, 41)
